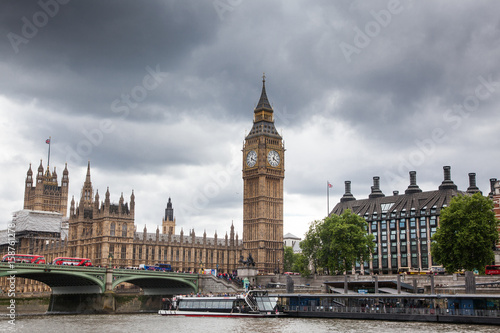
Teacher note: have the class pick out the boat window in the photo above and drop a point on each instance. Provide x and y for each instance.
(265, 304)
(184, 305)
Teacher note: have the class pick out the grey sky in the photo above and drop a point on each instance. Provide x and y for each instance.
(158, 95)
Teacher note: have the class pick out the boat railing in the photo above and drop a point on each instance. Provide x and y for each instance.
(252, 303)
(395, 310)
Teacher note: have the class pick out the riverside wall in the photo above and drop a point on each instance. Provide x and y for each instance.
(135, 302)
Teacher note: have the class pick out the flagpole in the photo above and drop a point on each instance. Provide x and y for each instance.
(327, 198)
(48, 158)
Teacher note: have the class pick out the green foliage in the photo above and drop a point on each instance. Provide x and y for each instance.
(338, 242)
(301, 265)
(311, 243)
(466, 235)
(296, 262)
(288, 259)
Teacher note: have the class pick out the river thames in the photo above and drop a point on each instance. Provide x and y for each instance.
(155, 323)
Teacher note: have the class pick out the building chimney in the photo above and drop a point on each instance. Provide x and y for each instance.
(347, 195)
(472, 184)
(492, 187)
(413, 188)
(447, 183)
(395, 192)
(376, 192)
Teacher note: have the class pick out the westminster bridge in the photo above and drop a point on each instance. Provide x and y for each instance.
(91, 289)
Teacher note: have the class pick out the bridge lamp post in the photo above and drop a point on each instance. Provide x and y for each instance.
(110, 259)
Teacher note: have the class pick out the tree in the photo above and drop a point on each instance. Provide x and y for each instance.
(338, 242)
(466, 235)
(301, 265)
(311, 244)
(288, 259)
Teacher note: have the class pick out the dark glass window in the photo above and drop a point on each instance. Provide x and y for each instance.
(414, 261)
(384, 261)
(425, 261)
(404, 260)
(413, 234)
(413, 246)
(403, 247)
(394, 260)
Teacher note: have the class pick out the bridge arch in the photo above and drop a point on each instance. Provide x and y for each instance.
(160, 285)
(61, 281)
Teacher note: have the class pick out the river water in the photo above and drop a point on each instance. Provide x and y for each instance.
(155, 323)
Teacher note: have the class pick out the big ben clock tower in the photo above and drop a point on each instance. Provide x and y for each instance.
(263, 175)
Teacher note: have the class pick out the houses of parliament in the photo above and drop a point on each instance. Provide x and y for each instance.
(106, 232)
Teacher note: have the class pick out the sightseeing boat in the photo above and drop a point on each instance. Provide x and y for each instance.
(251, 304)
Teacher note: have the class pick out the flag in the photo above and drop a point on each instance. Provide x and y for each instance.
(47, 141)
(329, 185)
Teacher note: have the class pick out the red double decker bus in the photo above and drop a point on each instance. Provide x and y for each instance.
(72, 261)
(24, 258)
(492, 270)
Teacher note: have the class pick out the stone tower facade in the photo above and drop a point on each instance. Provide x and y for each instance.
(101, 230)
(263, 175)
(45, 194)
(168, 222)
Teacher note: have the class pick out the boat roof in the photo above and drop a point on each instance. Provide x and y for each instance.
(476, 296)
(209, 298)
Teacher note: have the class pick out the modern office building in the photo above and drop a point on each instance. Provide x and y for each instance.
(402, 224)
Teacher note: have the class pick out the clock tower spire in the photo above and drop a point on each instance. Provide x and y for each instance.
(263, 175)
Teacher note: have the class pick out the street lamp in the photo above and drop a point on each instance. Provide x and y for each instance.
(110, 259)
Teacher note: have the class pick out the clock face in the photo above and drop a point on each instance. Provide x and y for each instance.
(251, 158)
(273, 158)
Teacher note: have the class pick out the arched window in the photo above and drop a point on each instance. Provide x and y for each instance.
(124, 230)
(112, 229)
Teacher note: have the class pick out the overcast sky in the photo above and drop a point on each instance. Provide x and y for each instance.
(159, 95)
